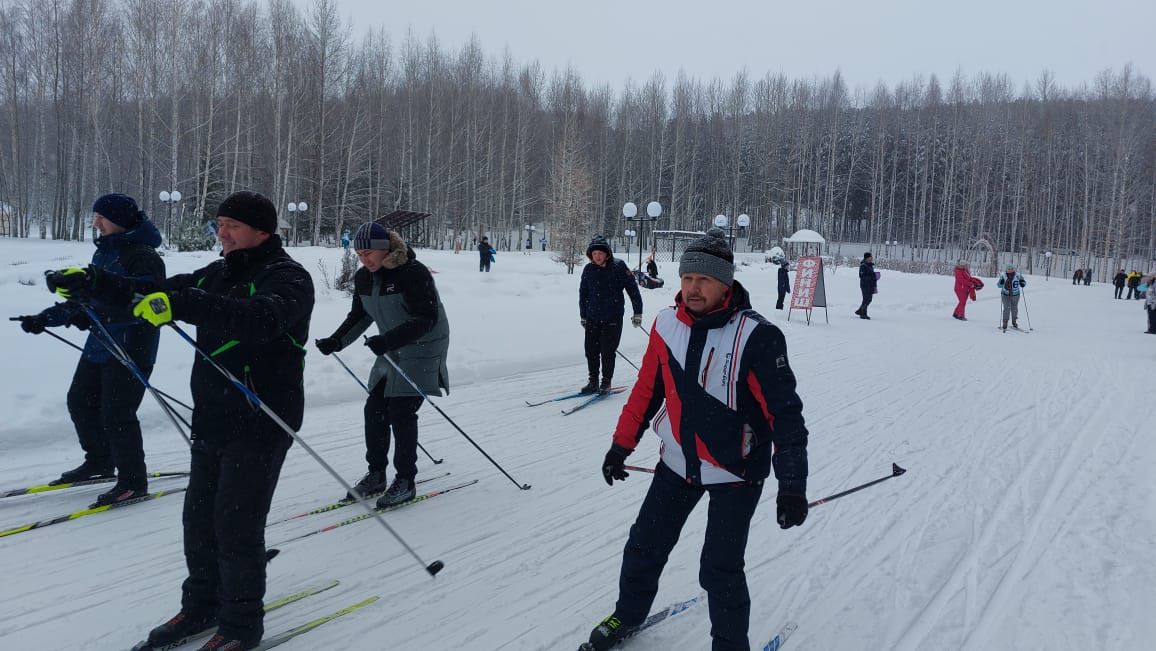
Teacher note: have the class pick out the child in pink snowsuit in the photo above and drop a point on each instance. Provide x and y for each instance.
(965, 286)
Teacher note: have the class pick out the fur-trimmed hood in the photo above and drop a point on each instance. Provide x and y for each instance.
(399, 252)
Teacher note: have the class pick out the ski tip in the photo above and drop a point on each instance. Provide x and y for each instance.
(270, 554)
(896, 470)
(435, 567)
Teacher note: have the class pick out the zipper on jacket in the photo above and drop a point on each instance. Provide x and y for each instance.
(706, 367)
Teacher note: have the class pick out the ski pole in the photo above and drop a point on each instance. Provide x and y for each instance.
(628, 360)
(67, 342)
(1027, 312)
(895, 472)
(119, 353)
(354, 375)
(431, 568)
(413, 384)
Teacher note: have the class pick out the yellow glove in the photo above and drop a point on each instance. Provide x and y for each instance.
(68, 283)
(154, 308)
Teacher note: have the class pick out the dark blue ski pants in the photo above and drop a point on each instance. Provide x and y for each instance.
(667, 505)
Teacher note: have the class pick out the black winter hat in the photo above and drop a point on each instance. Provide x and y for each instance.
(598, 243)
(866, 255)
(709, 255)
(250, 208)
(119, 209)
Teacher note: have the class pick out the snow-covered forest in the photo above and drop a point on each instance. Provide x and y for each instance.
(356, 120)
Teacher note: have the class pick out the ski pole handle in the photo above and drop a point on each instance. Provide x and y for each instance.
(639, 469)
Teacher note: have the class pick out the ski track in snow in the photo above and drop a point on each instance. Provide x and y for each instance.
(1026, 520)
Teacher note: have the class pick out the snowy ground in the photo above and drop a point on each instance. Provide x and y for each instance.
(1027, 518)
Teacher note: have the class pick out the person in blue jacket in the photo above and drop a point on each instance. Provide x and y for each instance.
(600, 307)
(1010, 284)
(104, 396)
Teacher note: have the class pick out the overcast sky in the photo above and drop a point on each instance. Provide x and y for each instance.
(610, 41)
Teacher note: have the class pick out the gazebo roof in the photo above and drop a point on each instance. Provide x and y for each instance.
(806, 235)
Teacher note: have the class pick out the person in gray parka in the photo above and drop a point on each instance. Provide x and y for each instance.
(395, 291)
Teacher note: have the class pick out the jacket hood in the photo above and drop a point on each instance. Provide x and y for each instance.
(144, 233)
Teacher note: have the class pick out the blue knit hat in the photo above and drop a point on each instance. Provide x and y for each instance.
(119, 209)
(371, 235)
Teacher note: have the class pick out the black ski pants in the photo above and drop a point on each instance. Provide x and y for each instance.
(667, 505)
(397, 415)
(102, 402)
(868, 293)
(782, 297)
(602, 339)
(230, 488)
(1151, 317)
(1119, 291)
(484, 264)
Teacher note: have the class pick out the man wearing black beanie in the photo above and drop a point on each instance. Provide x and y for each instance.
(600, 306)
(104, 395)
(252, 311)
(717, 387)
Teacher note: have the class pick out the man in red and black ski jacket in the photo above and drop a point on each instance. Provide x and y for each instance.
(716, 387)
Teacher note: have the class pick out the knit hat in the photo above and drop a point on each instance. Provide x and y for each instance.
(598, 243)
(710, 256)
(119, 209)
(250, 208)
(371, 235)
(867, 255)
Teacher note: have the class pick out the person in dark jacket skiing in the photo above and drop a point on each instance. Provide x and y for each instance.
(397, 293)
(867, 283)
(252, 311)
(784, 283)
(1118, 280)
(485, 255)
(600, 306)
(105, 395)
(717, 386)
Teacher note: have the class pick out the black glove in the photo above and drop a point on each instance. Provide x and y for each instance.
(583, 322)
(613, 467)
(792, 510)
(378, 345)
(80, 321)
(328, 345)
(33, 323)
(70, 283)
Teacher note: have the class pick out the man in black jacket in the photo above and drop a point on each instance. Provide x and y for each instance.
(485, 255)
(395, 292)
(600, 306)
(784, 283)
(252, 313)
(866, 283)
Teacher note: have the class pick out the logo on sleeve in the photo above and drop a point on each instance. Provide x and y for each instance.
(781, 361)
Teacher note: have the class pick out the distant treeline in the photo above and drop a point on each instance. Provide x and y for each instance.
(206, 97)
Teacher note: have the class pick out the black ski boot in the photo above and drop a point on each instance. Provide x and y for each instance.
(373, 482)
(605, 386)
(221, 643)
(84, 471)
(117, 495)
(609, 633)
(401, 490)
(179, 629)
(591, 386)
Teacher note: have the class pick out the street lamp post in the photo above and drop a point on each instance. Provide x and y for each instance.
(170, 198)
(530, 236)
(629, 234)
(630, 212)
(295, 208)
(721, 221)
(1048, 273)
